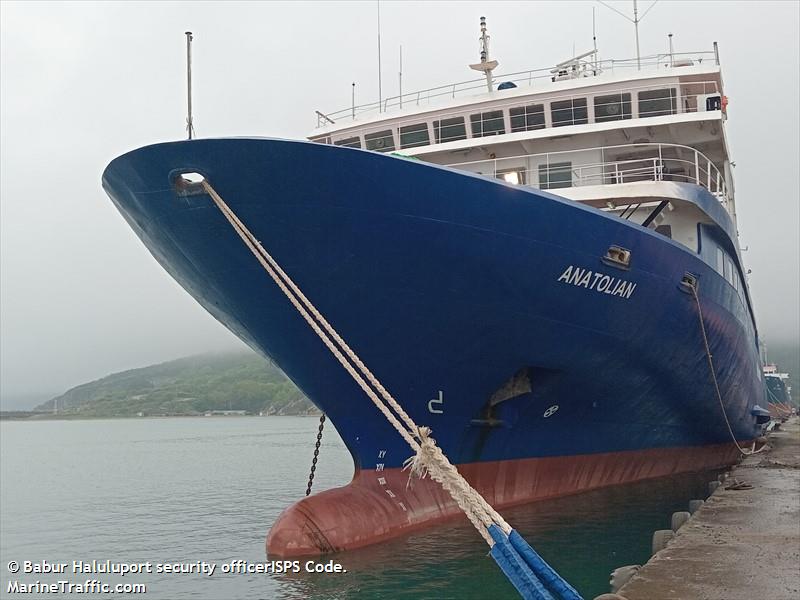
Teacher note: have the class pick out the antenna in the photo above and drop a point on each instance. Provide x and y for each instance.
(486, 65)
(635, 20)
(594, 41)
(671, 52)
(189, 121)
(353, 100)
(400, 75)
(636, 28)
(380, 91)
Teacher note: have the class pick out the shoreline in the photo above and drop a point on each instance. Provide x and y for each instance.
(30, 416)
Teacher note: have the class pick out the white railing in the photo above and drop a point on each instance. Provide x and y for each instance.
(665, 62)
(625, 163)
(583, 108)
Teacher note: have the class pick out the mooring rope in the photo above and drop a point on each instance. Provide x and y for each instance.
(517, 559)
(428, 457)
(743, 451)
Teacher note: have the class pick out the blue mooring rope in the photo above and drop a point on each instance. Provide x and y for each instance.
(533, 578)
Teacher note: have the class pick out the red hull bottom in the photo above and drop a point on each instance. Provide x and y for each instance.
(379, 505)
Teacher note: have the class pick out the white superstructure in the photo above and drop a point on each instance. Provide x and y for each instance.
(606, 133)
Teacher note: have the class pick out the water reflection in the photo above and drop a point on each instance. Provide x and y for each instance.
(583, 536)
(209, 489)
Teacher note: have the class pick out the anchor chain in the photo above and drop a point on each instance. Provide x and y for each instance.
(316, 454)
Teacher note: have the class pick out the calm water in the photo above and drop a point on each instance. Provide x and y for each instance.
(183, 490)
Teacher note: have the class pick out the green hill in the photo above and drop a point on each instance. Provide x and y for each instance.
(232, 381)
(187, 386)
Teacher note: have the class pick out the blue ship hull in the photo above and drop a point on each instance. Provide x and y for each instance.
(448, 285)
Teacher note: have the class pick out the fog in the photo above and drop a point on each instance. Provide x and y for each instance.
(81, 297)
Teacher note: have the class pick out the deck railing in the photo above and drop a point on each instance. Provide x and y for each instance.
(530, 78)
(585, 107)
(625, 163)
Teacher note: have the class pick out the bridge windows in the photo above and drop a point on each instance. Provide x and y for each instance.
(412, 136)
(569, 112)
(351, 142)
(613, 107)
(488, 123)
(380, 141)
(449, 130)
(527, 118)
(607, 107)
(656, 103)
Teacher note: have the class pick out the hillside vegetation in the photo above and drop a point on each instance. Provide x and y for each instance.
(233, 381)
(187, 386)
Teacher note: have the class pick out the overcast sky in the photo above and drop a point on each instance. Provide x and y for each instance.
(81, 83)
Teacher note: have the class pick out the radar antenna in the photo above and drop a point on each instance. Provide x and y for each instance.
(577, 66)
(486, 65)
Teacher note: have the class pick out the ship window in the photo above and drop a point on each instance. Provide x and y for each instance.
(613, 107)
(488, 123)
(516, 176)
(412, 136)
(381, 141)
(728, 269)
(527, 118)
(732, 267)
(655, 103)
(448, 130)
(555, 175)
(665, 230)
(569, 112)
(351, 142)
(720, 261)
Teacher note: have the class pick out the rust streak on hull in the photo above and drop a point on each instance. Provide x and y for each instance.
(378, 505)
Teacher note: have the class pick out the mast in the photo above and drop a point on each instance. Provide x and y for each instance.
(636, 27)
(400, 76)
(594, 41)
(380, 90)
(671, 52)
(635, 20)
(486, 65)
(189, 121)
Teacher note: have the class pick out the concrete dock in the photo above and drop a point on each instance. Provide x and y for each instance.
(741, 544)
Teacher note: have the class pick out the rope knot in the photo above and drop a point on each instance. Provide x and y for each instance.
(418, 465)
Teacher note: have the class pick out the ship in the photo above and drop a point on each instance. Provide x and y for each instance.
(779, 393)
(543, 267)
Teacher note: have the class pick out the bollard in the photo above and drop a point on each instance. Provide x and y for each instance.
(694, 505)
(679, 519)
(712, 487)
(621, 576)
(661, 538)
